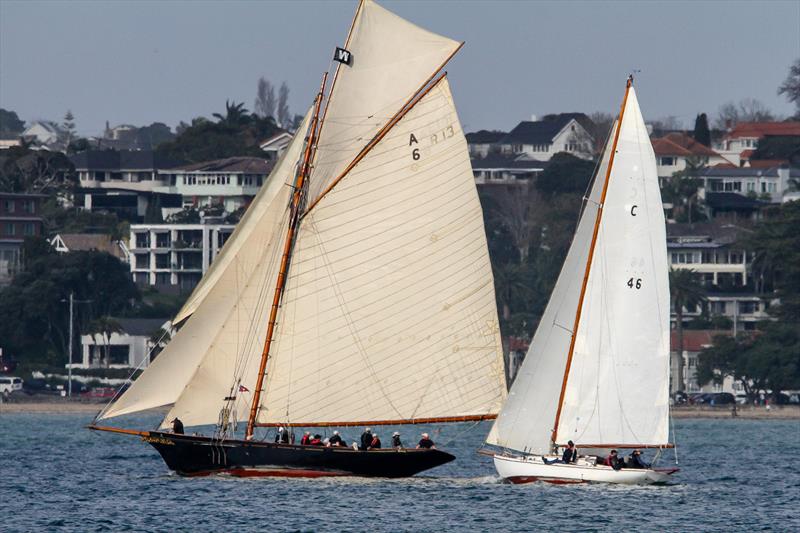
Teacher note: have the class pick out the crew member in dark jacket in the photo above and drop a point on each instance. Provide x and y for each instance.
(613, 460)
(396, 443)
(177, 426)
(336, 439)
(426, 442)
(570, 455)
(282, 436)
(366, 439)
(635, 460)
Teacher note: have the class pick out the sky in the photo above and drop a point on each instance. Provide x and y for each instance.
(146, 61)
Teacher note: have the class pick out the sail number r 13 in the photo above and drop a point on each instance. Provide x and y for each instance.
(637, 283)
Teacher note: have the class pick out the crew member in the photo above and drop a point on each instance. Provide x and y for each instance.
(635, 460)
(177, 426)
(282, 436)
(306, 440)
(570, 455)
(366, 439)
(336, 439)
(613, 461)
(316, 440)
(375, 444)
(396, 443)
(426, 442)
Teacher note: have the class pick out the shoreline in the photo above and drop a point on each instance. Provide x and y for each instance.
(744, 412)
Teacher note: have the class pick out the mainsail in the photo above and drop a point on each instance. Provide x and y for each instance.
(388, 315)
(616, 391)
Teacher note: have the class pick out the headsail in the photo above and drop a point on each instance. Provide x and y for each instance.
(218, 302)
(617, 388)
(389, 311)
(391, 60)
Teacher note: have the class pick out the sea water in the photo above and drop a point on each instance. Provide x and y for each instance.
(736, 475)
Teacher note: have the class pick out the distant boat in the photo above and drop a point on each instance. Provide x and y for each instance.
(356, 291)
(597, 371)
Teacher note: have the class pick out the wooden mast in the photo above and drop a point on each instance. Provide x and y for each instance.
(287, 252)
(554, 433)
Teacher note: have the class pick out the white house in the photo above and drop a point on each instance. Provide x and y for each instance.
(500, 169)
(674, 150)
(275, 145)
(743, 138)
(770, 184)
(43, 132)
(128, 348)
(230, 182)
(174, 254)
(541, 139)
(694, 341)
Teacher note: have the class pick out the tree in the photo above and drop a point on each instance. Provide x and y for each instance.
(10, 122)
(682, 190)
(565, 174)
(284, 118)
(69, 128)
(685, 292)
(265, 103)
(778, 147)
(701, 132)
(148, 137)
(513, 210)
(791, 86)
(235, 115)
(747, 110)
(35, 171)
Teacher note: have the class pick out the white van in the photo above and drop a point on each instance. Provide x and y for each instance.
(10, 384)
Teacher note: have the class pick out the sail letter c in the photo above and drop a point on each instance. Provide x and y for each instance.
(633, 210)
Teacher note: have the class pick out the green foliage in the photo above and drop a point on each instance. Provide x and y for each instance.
(565, 174)
(35, 171)
(701, 132)
(778, 147)
(767, 361)
(775, 243)
(33, 309)
(10, 122)
(59, 219)
(149, 137)
(187, 215)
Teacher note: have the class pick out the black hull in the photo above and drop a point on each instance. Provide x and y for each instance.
(198, 456)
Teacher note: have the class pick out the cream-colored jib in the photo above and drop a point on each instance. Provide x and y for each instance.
(220, 299)
(391, 59)
(389, 311)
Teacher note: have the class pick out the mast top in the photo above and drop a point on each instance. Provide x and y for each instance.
(630, 81)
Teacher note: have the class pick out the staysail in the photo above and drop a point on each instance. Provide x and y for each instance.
(616, 391)
(218, 302)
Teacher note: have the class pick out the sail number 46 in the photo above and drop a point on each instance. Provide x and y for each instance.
(635, 283)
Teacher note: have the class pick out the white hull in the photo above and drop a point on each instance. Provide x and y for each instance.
(532, 468)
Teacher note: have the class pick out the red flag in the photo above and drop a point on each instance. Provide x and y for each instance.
(242, 388)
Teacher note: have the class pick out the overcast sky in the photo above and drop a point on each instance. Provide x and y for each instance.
(145, 61)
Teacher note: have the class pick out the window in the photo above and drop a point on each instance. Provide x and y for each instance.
(771, 187)
(733, 186)
(29, 206)
(10, 206)
(28, 229)
(748, 308)
(736, 257)
(10, 229)
(667, 161)
(751, 187)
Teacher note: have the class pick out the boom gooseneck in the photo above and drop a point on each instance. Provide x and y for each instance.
(294, 218)
(588, 267)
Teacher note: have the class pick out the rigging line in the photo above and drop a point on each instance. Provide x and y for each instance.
(351, 325)
(118, 392)
(589, 262)
(424, 89)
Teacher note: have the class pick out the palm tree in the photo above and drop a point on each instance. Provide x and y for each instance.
(104, 326)
(235, 115)
(686, 291)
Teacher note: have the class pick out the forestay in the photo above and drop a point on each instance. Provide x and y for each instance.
(208, 333)
(617, 389)
(391, 60)
(389, 311)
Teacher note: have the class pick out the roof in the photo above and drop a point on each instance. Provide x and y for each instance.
(724, 171)
(485, 137)
(249, 165)
(500, 161)
(281, 138)
(541, 131)
(732, 200)
(76, 242)
(679, 143)
(143, 327)
(694, 340)
(121, 160)
(722, 233)
(767, 163)
(760, 129)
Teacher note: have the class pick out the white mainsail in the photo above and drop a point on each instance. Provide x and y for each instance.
(389, 311)
(391, 60)
(215, 303)
(617, 388)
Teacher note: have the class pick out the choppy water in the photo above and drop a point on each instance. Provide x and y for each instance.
(737, 475)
